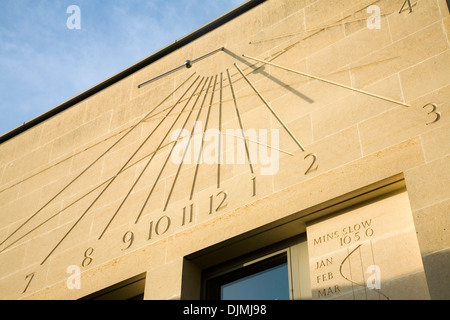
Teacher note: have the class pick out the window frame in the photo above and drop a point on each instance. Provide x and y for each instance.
(214, 285)
(293, 250)
(130, 289)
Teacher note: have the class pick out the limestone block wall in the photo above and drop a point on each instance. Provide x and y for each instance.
(95, 187)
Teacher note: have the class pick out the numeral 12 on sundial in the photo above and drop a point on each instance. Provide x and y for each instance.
(221, 198)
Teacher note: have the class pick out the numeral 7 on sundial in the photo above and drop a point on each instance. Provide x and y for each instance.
(29, 278)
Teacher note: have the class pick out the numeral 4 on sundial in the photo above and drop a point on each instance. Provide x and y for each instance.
(407, 2)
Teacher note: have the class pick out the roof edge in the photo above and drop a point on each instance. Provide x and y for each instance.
(177, 44)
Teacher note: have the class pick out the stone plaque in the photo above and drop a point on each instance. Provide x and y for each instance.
(368, 251)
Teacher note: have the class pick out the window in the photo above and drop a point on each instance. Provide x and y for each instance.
(264, 280)
(274, 273)
(260, 260)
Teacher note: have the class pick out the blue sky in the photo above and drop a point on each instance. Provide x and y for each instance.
(44, 63)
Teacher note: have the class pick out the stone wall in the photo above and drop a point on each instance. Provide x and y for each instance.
(73, 188)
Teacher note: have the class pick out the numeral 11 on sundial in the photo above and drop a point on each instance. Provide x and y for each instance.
(191, 213)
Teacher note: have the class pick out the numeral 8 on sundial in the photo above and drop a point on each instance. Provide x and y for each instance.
(87, 257)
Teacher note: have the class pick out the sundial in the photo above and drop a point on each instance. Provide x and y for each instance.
(182, 168)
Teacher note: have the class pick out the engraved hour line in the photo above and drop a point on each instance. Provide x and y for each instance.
(240, 121)
(112, 180)
(328, 81)
(336, 24)
(76, 201)
(169, 155)
(374, 263)
(219, 154)
(409, 4)
(259, 143)
(173, 147)
(55, 215)
(154, 154)
(351, 275)
(315, 30)
(159, 146)
(203, 137)
(187, 146)
(271, 109)
(96, 160)
(362, 269)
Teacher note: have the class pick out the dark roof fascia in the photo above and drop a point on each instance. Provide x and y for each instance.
(250, 4)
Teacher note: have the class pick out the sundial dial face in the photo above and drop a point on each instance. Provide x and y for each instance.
(221, 123)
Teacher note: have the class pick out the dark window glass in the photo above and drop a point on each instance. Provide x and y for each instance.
(265, 280)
